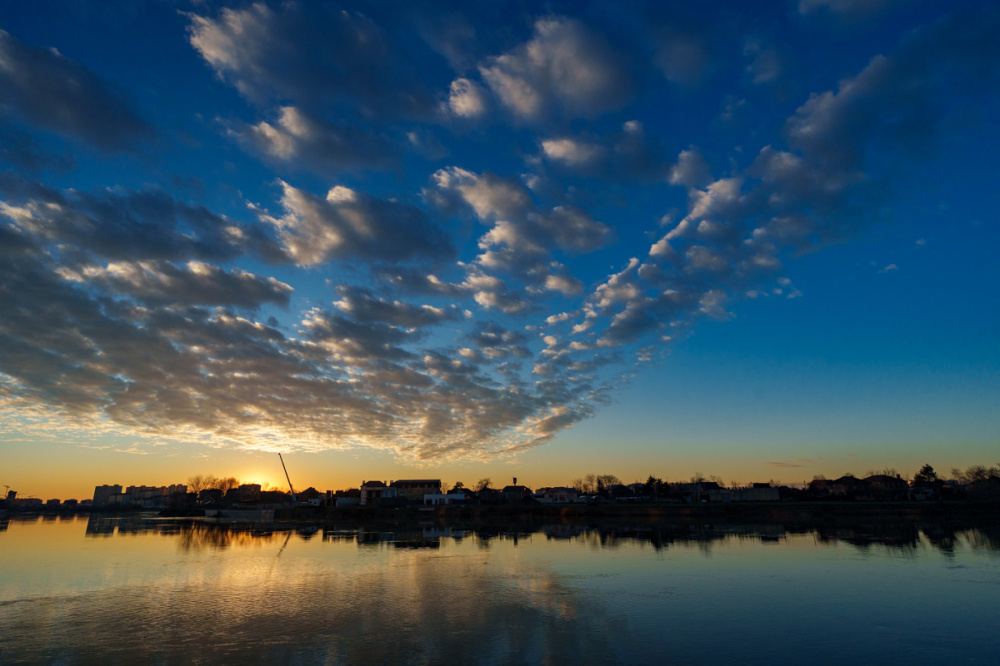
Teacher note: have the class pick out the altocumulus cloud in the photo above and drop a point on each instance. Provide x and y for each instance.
(468, 311)
(44, 88)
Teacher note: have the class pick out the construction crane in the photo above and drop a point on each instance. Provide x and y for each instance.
(294, 499)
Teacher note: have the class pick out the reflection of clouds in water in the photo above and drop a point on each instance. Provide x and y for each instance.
(425, 596)
(417, 606)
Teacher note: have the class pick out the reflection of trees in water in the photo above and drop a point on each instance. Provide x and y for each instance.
(198, 536)
(899, 536)
(984, 538)
(417, 608)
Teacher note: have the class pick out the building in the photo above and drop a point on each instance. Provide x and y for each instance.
(107, 496)
(559, 495)
(372, 492)
(515, 493)
(413, 490)
(438, 499)
(758, 492)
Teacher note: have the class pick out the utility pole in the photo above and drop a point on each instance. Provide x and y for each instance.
(288, 478)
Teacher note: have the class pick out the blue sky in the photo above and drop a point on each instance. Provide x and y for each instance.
(430, 238)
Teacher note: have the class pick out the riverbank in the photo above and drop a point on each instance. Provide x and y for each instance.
(767, 512)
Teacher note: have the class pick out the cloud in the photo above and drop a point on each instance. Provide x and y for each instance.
(20, 150)
(297, 138)
(565, 66)
(196, 283)
(691, 169)
(310, 55)
(848, 7)
(141, 310)
(364, 306)
(467, 99)
(627, 155)
(52, 92)
(122, 225)
(799, 462)
(350, 225)
(685, 52)
(765, 62)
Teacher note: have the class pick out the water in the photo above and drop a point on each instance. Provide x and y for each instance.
(134, 591)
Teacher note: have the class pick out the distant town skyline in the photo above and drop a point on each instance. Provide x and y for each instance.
(420, 239)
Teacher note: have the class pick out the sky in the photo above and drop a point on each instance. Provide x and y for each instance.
(422, 239)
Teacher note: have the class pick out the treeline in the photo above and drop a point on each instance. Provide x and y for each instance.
(200, 482)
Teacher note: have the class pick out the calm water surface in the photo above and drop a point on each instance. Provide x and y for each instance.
(134, 590)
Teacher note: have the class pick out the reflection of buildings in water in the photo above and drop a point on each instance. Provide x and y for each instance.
(431, 609)
(99, 525)
(900, 536)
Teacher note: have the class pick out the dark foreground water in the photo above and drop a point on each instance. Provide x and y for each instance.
(136, 591)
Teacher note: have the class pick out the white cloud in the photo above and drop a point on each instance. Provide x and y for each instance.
(691, 169)
(350, 225)
(466, 98)
(565, 64)
(571, 152)
(299, 138)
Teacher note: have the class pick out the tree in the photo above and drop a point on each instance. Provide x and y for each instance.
(587, 485)
(226, 484)
(925, 475)
(976, 473)
(483, 484)
(200, 482)
(608, 480)
(458, 486)
(652, 487)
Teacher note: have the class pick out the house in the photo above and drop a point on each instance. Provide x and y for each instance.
(758, 492)
(702, 491)
(559, 494)
(349, 497)
(489, 496)
(439, 499)
(515, 493)
(885, 488)
(413, 490)
(211, 495)
(373, 492)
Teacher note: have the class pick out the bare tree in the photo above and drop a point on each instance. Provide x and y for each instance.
(200, 482)
(608, 480)
(226, 484)
(483, 484)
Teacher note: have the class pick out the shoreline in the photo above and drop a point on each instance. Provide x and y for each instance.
(652, 510)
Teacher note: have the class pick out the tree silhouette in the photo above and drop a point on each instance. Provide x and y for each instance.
(226, 484)
(925, 475)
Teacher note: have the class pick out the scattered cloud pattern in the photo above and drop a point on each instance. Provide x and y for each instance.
(477, 309)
